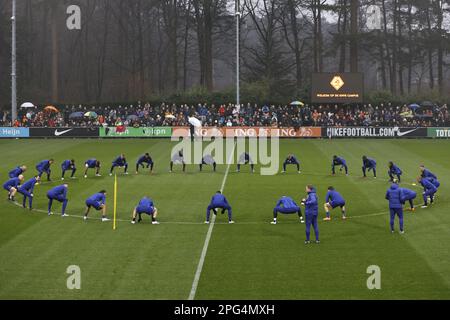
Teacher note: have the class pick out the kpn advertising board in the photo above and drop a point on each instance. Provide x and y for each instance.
(136, 132)
(337, 87)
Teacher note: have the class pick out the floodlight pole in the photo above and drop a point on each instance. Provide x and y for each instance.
(13, 65)
(238, 16)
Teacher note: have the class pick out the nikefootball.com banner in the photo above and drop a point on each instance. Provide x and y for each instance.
(373, 132)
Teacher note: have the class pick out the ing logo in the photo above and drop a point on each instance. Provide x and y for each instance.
(337, 82)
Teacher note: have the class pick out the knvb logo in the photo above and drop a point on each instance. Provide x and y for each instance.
(337, 82)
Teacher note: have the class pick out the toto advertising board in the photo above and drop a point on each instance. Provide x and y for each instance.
(439, 132)
(374, 132)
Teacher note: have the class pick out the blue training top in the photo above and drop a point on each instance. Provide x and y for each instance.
(287, 203)
(334, 196)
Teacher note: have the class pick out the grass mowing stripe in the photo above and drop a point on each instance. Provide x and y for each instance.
(198, 272)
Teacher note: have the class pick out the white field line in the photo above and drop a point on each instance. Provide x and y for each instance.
(198, 272)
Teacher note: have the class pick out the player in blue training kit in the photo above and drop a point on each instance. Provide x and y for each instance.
(245, 158)
(208, 160)
(12, 185)
(333, 199)
(98, 201)
(68, 165)
(394, 171)
(58, 193)
(120, 162)
(218, 201)
(27, 190)
(286, 205)
(425, 173)
(369, 164)
(311, 204)
(338, 161)
(145, 206)
(144, 159)
(434, 181)
(291, 159)
(17, 171)
(44, 166)
(92, 164)
(408, 195)
(395, 195)
(429, 190)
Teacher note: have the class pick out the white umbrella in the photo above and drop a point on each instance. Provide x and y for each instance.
(27, 105)
(195, 122)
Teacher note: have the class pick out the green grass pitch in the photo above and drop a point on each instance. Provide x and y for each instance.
(251, 259)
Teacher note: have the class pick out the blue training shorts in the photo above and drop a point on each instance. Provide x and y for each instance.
(337, 204)
(95, 204)
(145, 210)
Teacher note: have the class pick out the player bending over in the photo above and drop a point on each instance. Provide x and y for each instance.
(245, 158)
(208, 160)
(369, 164)
(333, 200)
(291, 159)
(218, 201)
(429, 191)
(394, 171)
(425, 173)
(145, 159)
(98, 201)
(145, 206)
(395, 195)
(68, 165)
(17, 171)
(177, 158)
(27, 190)
(44, 167)
(435, 182)
(339, 161)
(92, 164)
(12, 185)
(408, 195)
(58, 193)
(286, 205)
(120, 162)
(311, 204)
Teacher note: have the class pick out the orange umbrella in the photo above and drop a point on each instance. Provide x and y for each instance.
(51, 109)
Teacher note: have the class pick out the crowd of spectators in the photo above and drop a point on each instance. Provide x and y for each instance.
(248, 114)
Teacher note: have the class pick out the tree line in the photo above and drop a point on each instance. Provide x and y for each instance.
(153, 49)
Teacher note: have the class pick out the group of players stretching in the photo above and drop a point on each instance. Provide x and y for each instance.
(286, 205)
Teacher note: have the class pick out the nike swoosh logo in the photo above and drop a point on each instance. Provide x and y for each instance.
(400, 134)
(59, 133)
